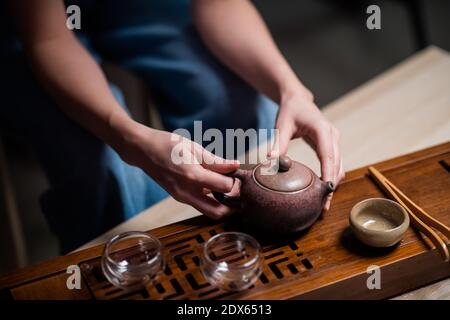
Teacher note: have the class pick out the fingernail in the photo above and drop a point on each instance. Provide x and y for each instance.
(232, 162)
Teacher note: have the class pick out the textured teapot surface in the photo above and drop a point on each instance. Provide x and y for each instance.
(284, 198)
(286, 201)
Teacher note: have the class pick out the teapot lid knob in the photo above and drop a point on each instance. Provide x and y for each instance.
(284, 163)
(286, 176)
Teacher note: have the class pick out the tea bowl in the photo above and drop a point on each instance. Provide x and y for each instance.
(379, 222)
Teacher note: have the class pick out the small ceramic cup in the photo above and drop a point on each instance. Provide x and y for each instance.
(379, 222)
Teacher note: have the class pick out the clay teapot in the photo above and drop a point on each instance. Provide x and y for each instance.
(281, 197)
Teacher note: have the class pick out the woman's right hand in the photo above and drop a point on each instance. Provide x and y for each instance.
(182, 167)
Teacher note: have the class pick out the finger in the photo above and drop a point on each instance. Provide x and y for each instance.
(217, 164)
(337, 159)
(326, 155)
(212, 180)
(341, 174)
(337, 163)
(327, 205)
(284, 130)
(209, 206)
(233, 192)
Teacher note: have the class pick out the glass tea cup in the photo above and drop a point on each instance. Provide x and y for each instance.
(231, 261)
(132, 259)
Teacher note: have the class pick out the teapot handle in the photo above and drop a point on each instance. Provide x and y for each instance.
(230, 201)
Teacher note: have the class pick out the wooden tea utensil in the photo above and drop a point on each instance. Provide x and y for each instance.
(419, 218)
(420, 213)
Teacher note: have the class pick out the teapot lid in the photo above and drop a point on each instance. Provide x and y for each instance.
(288, 176)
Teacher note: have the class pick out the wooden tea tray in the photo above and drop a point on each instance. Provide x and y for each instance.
(324, 263)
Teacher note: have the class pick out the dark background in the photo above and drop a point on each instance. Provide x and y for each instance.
(327, 44)
(332, 51)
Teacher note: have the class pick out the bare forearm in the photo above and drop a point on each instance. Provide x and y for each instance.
(77, 84)
(235, 32)
(67, 71)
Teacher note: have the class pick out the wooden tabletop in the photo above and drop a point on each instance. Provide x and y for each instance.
(405, 109)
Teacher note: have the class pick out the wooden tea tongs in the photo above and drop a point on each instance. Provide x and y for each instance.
(419, 218)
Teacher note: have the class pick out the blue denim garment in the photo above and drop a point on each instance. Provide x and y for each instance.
(91, 188)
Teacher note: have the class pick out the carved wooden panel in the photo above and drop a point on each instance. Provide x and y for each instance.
(182, 278)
